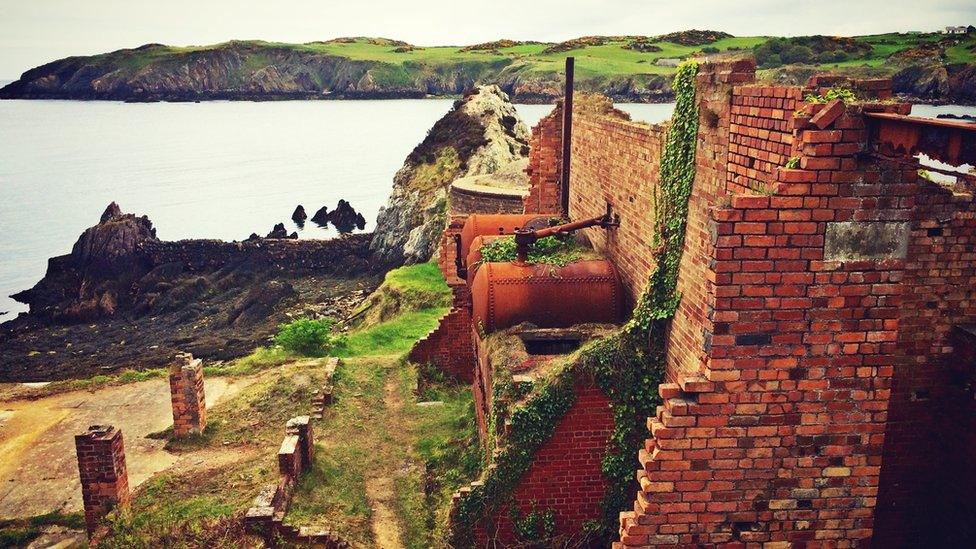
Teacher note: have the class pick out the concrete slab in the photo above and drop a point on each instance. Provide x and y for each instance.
(38, 467)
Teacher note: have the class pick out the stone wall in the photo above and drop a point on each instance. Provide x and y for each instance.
(469, 200)
(339, 255)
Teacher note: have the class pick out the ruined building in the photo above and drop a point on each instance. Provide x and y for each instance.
(812, 370)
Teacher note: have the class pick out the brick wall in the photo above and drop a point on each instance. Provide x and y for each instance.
(565, 476)
(687, 346)
(449, 347)
(545, 165)
(104, 478)
(928, 427)
(760, 134)
(187, 395)
(777, 435)
(617, 161)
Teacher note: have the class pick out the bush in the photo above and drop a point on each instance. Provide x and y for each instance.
(307, 337)
(709, 49)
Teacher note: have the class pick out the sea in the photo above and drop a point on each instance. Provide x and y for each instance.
(221, 169)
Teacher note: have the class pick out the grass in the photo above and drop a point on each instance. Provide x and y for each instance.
(394, 336)
(20, 532)
(374, 428)
(197, 507)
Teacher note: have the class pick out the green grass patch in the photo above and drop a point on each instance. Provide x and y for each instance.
(20, 532)
(392, 337)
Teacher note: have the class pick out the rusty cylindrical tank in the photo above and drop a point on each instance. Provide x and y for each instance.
(506, 294)
(493, 224)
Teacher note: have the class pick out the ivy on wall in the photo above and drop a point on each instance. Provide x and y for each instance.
(628, 365)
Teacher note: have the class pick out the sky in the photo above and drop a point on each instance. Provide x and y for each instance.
(33, 32)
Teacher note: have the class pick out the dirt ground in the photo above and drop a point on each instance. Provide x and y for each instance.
(38, 467)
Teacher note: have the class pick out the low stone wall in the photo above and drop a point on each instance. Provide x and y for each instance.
(338, 255)
(471, 198)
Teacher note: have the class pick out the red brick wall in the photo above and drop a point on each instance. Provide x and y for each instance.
(187, 396)
(686, 336)
(565, 475)
(545, 164)
(449, 346)
(778, 437)
(760, 135)
(615, 160)
(928, 425)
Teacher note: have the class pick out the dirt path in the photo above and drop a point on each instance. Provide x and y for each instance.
(379, 489)
(38, 470)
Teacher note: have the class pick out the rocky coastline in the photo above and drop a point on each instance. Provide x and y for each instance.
(122, 298)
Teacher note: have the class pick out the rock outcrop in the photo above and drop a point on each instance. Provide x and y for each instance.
(299, 216)
(478, 136)
(345, 219)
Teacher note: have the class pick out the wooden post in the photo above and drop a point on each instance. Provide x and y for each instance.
(567, 135)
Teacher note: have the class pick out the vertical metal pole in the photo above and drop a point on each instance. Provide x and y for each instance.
(567, 135)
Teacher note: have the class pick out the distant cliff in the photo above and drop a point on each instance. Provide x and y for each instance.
(626, 68)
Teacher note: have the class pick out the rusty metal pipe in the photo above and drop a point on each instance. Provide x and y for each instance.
(525, 238)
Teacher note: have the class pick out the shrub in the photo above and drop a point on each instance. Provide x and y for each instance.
(709, 49)
(308, 337)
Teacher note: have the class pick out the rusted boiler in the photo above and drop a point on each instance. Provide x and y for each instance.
(506, 294)
(494, 224)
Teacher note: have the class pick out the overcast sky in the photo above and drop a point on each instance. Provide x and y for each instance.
(33, 32)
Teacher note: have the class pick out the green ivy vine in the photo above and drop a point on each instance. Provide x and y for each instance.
(628, 366)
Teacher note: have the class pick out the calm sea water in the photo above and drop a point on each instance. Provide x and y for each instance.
(198, 170)
(204, 170)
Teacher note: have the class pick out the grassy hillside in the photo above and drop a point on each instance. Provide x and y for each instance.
(627, 67)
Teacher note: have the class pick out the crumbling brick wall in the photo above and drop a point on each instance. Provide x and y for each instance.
(187, 395)
(545, 165)
(760, 134)
(617, 161)
(449, 347)
(777, 436)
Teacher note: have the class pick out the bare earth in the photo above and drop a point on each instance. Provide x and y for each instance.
(38, 469)
(379, 489)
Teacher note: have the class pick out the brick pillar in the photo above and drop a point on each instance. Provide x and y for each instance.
(302, 426)
(545, 165)
(296, 453)
(186, 391)
(101, 465)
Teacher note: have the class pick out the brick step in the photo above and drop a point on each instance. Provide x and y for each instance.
(696, 384)
(678, 406)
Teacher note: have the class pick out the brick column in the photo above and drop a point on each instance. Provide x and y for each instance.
(101, 465)
(296, 453)
(186, 391)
